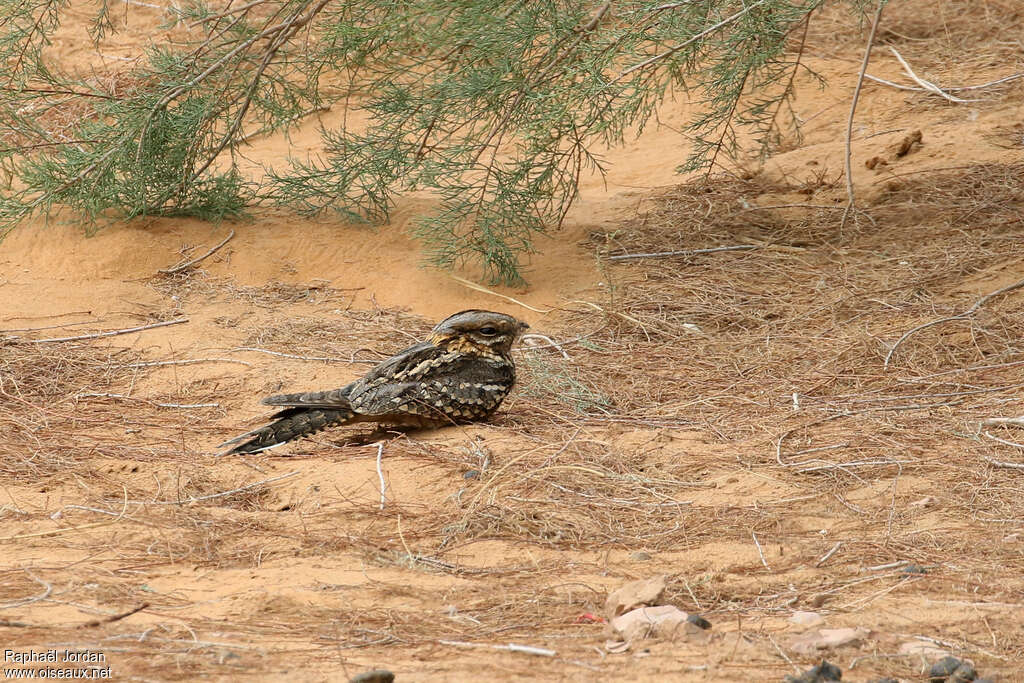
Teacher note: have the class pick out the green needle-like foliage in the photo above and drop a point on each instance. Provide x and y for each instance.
(494, 107)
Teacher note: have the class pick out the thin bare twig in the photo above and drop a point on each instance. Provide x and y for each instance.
(549, 340)
(1005, 442)
(782, 437)
(791, 206)
(511, 647)
(47, 590)
(184, 361)
(380, 474)
(1015, 421)
(849, 465)
(189, 264)
(97, 335)
(960, 316)
(480, 288)
(927, 85)
(1000, 463)
(292, 355)
(687, 252)
(113, 618)
(143, 400)
(890, 565)
(830, 553)
(760, 551)
(53, 327)
(188, 405)
(845, 444)
(898, 86)
(1005, 79)
(783, 654)
(851, 197)
(86, 624)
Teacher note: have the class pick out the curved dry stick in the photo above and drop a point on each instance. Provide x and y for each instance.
(380, 474)
(480, 288)
(189, 264)
(778, 442)
(926, 85)
(47, 590)
(551, 343)
(960, 316)
(97, 335)
(851, 200)
(1005, 442)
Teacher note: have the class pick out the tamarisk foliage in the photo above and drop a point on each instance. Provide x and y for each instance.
(493, 106)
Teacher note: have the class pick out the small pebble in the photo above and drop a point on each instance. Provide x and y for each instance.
(964, 673)
(375, 676)
(640, 556)
(471, 474)
(914, 569)
(806, 618)
(699, 621)
(823, 673)
(943, 669)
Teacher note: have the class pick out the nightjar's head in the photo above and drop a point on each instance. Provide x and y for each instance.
(484, 332)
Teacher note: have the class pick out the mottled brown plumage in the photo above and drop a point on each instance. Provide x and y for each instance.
(461, 373)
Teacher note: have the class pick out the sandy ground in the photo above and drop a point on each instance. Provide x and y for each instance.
(663, 445)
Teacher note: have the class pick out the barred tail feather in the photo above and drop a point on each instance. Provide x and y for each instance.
(335, 399)
(292, 424)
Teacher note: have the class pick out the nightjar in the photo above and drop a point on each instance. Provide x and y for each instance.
(461, 373)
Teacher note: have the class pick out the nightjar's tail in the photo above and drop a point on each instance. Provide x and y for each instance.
(304, 414)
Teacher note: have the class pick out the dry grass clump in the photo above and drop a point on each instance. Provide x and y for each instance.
(783, 347)
(61, 371)
(197, 283)
(360, 336)
(274, 294)
(949, 33)
(66, 403)
(41, 386)
(784, 312)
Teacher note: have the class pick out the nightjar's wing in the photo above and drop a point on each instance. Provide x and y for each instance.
(396, 366)
(437, 385)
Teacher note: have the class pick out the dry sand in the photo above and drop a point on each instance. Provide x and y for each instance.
(651, 450)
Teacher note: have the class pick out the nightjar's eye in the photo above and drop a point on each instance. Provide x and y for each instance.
(488, 331)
